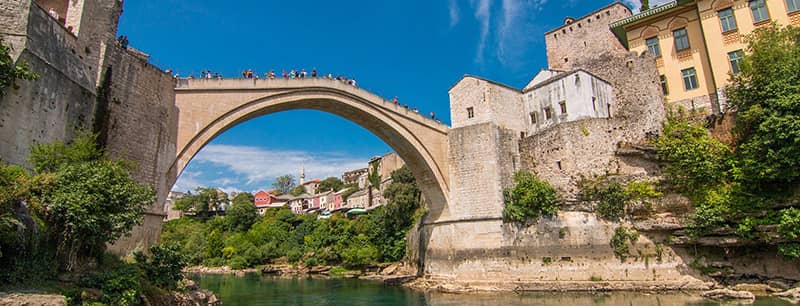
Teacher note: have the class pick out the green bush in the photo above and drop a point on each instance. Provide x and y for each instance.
(120, 286)
(612, 199)
(530, 199)
(164, 268)
(621, 242)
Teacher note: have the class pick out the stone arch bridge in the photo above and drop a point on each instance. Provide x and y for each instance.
(208, 107)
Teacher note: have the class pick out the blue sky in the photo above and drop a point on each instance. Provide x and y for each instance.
(413, 49)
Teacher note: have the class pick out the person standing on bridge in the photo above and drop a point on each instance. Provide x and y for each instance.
(314, 72)
(303, 74)
(433, 116)
(395, 101)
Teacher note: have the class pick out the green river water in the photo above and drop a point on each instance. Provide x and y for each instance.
(259, 290)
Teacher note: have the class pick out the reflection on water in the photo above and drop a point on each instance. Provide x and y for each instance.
(258, 291)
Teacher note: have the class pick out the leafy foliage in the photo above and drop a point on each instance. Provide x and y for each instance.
(242, 214)
(86, 198)
(297, 190)
(374, 177)
(164, 268)
(766, 96)
(378, 236)
(694, 159)
(201, 202)
(10, 72)
(284, 183)
(621, 242)
(330, 184)
(615, 200)
(530, 199)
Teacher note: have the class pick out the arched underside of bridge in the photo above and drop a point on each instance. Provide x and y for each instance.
(207, 108)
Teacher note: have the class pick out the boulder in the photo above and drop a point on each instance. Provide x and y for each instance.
(729, 294)
(758, 289)
(793, 293)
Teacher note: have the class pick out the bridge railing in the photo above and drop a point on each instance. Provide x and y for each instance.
(281, 83)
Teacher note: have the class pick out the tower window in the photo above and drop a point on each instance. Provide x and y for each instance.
(470, 112)
(664, 88)
(548, 113)
(563, 105)
(533, 117)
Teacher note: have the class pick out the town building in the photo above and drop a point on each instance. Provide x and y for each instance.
(356, 177)
(698, 44)
(264, 200)
(299, 204)
(311, 186)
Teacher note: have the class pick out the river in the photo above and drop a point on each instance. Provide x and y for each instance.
(256, 290)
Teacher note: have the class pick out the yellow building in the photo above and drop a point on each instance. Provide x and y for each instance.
(699, 43)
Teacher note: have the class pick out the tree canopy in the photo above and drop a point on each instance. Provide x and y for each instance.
(284, 183)
(330, 184)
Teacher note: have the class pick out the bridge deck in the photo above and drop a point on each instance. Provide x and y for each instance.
(194, 85)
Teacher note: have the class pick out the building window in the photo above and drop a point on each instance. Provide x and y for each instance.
(533, 118)
(793, 5)
(652, 45)
(681, 39)
(563, 105)
(759, 10)
(664, 87)
(548, 113)
(727, 20)
(689, 78)
(470, 112)
(735, 58)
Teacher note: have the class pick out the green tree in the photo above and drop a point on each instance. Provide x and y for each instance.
(164, 268)
(530, 199)
(87, 199)
(645, 5)
(330, 184)
(242, 213)
(284, 183)
(298, 190)
(766, 97)
(214, 245)
(694, 159)
(10, 72)
(202, 201)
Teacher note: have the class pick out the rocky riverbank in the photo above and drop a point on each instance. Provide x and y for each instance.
(391, 273)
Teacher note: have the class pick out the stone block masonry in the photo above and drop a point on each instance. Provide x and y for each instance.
(133, 109)
(138, 121)
(581, 39)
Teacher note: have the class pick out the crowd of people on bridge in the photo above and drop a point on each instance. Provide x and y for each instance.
(295, 74)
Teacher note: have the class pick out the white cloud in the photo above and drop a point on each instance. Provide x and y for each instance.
(188, 181)
(515, 28)
(455, 14)
(254, 167)
(483, 14)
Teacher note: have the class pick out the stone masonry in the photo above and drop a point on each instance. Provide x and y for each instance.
(88, 83)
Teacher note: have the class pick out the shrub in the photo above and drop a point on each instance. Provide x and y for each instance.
(611, 201)
(530, 199)
(621, 240)
(120, 286)
(164, 268)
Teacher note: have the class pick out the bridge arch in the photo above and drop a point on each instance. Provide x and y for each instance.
(208, 107)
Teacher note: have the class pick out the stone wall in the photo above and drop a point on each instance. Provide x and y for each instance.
(133, 108)
(60, 101)
(571, 249)
(565, 153)
(138, 121)
(483, 159)
(584, 38)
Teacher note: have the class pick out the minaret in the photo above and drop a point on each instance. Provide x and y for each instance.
(303, 173)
